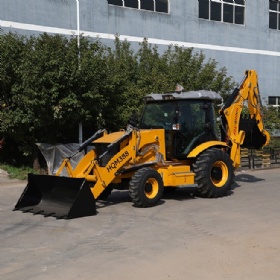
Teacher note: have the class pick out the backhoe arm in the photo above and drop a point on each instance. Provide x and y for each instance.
(239, 130)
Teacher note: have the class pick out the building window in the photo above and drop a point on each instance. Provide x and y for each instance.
(274, 15)
(161, 6)
(230, 11)
(274, 101)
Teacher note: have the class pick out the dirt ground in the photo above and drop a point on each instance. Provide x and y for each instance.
(235, 237)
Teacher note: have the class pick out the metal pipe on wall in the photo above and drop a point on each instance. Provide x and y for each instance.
(78, 27)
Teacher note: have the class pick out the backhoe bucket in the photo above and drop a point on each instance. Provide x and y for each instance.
(254, 138)
(60, 197)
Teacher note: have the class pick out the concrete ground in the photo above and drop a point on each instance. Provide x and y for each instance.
(235, 237)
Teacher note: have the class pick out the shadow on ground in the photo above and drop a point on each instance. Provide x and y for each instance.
(247, 178)
(180, 194)
(116, 197)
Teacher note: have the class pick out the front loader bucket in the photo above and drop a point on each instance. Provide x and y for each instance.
(60, 197)
(254, 138)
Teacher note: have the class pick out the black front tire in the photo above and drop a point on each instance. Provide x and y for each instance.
(146, 187)
(214, 173)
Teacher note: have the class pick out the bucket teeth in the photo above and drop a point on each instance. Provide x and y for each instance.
(27, 210)
(50, 214)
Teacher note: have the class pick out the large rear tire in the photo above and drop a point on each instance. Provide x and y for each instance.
(146, 187)
(213, 173)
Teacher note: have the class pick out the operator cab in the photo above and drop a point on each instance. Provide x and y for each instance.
(187, 118)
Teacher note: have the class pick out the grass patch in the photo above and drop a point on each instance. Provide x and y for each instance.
(19, 173)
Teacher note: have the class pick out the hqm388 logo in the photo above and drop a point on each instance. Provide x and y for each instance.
(114, 165)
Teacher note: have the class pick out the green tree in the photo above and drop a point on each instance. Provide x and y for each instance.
(120, 88)
(47, 90)
(43, 96)
(92, 83)
(152, 70)
(272, 124)
(12, 48)
(48, 86)
(189, 69)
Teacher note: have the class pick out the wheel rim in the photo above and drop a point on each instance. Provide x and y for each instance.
(151, 188)
(219, 174)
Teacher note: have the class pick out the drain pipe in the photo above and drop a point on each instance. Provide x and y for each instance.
(78, 29)
(79, 56)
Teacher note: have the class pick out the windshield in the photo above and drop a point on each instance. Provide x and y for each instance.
(174, 115)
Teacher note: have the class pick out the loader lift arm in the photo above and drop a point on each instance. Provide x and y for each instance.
(74, 196)
(240, 130)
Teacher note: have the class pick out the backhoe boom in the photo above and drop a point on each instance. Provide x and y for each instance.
(239, 129)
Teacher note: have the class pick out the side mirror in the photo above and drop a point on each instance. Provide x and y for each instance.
(133, 119)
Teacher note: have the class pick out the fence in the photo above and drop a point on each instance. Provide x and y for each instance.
(265, 158)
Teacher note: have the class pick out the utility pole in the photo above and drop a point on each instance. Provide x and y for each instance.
(78, 29)
(79, 65)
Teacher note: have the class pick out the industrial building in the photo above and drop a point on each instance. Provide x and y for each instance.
(238, 34)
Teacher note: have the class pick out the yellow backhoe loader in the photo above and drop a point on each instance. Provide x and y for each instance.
(174, 144)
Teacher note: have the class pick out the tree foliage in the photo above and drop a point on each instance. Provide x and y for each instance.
(48, 86)
(272, 124)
